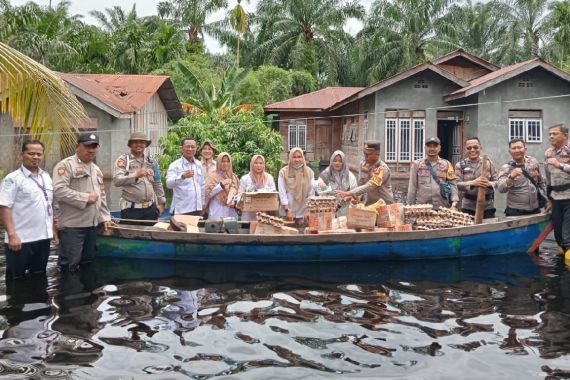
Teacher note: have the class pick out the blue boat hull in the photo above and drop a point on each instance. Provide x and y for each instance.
(513, 236)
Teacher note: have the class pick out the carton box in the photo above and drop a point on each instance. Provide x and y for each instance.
(320, 221)
(361, 218)
(253, 202)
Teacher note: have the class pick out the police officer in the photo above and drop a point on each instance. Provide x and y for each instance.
(557, 170)
(138, 176)
(80, 193)
(521, 191)
(469, 180)
(440, 191)
(373, 177)
(26, 212)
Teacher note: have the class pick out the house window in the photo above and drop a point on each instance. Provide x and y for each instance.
(350, 131)
(405, 136)
(297, 136)
(525, 125)
(421, 83)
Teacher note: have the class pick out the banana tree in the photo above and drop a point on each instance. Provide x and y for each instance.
(37, 100)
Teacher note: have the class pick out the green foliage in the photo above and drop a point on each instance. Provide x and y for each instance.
(275, 82)
(242, 135)
(302, 82)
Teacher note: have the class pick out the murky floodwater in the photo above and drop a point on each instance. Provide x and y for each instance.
(493, 318)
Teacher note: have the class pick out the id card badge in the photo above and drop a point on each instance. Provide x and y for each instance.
(49, 210)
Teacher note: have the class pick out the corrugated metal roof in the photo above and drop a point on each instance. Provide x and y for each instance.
(319, 100)
(127, 93)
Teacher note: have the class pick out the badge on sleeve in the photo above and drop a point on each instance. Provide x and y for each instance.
(8, 184)
(61, 170)
(120, 163)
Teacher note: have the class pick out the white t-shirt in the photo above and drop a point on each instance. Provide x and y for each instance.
(25, 195)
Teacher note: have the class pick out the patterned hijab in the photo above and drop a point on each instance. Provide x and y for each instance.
(297, 179)
(339, 180)
(258, 180)
(216, 177)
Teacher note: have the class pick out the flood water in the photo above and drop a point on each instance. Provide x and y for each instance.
(505, 317)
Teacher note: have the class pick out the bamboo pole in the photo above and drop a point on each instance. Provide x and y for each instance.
(480, 208)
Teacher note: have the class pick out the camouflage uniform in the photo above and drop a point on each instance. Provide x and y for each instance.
(374, 182)
(466, 171)
(521, 193)
(139, 196)
(423, 189)
(73, 181)
(558, 188)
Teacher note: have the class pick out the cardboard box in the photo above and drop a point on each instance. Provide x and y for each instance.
(361, 218)
(268, 229)
(253, 202)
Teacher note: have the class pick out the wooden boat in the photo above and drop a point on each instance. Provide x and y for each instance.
(503, 236)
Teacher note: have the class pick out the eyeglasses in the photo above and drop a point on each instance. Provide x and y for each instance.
(472, 148)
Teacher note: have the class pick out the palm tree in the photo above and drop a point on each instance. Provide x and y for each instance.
(400, 34)
(41, 32)
(560, 24)
(303, 34)
(239, 20)
(207, 99)
(191, 15)
(37, 99)
(531, 23)
(129, 38)
(484, 29)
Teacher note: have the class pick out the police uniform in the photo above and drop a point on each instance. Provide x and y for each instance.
(29, 197)
(139, 196)
(373, 180)
(73, 181)
(378, 185)
(558, 189)
(467, 170)
(521, 192)
(423, 189)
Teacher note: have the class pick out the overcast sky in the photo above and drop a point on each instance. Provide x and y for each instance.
(148, 7)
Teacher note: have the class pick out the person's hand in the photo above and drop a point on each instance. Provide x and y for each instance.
(93, 197)
(141, 173)
(342, 194)
(517, 172)
(14, 242)
(226, 183)
(107, 225)
(554, 162)
(160, 209)
(548, 206)
(188, 174)
(321, 184)
(288, 215)
(454, 205)
(55, 240)
(481, 182)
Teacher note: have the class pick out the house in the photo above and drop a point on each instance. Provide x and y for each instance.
(452, 97)
(120, 104)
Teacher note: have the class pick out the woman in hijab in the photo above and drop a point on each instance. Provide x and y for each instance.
(221, 187)
(339, 177)
(296, 185)
(255, 181)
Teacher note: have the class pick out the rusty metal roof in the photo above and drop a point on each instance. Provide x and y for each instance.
(319, 100)
(126, 93)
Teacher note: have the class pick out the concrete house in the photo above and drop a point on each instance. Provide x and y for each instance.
(453, 97)
(120, 104)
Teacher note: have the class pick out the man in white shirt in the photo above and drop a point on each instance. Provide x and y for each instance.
(185, 177)
(26, 211)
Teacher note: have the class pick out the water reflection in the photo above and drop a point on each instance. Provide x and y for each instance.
(448, 318)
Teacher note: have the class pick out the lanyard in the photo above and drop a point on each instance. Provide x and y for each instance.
(42, 187)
